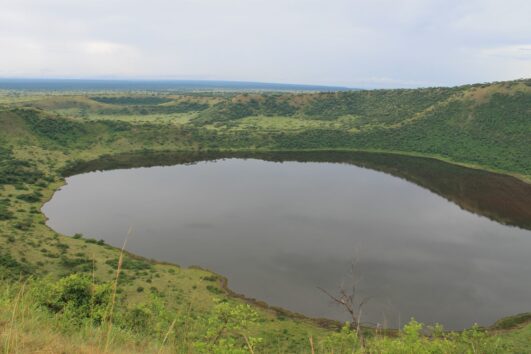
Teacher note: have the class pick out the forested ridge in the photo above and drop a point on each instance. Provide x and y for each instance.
(485, 125)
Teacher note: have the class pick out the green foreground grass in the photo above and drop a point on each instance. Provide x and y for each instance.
(50, 281)
(77, 314)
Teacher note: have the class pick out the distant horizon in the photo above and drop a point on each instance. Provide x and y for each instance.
(184, 84)
(27, 83)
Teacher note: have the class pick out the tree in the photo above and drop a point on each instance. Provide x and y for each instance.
(350, 299)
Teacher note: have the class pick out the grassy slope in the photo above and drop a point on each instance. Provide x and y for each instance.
(487, 126)
(30, 247)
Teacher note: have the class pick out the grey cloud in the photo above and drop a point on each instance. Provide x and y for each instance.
(380, 43)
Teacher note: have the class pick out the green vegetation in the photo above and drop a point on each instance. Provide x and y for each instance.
(5, 213)
(58, 291)
(80, 315)
(14, 171)
(131, 100)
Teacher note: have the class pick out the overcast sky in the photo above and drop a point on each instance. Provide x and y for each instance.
(360, 43)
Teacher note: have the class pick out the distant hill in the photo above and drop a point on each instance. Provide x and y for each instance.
(154, 85)
(483, 125)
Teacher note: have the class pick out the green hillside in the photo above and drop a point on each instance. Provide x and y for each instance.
(44, 136)
(487, 126)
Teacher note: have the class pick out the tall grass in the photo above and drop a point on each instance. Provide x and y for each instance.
(25, 327)
(114, 290)
(167, 335)
(11, 338)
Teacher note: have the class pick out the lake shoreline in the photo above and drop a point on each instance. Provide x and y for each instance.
(224, 282)
(523, 178)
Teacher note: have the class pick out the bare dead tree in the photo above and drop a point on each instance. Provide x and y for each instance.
(350, 299)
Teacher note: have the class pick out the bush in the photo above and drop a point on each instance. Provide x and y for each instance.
(11, 268)
(30, 198)
(76, 297)
(129, 263)
(344, 341)
(5, 213)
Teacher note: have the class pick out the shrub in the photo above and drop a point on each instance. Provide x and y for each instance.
(5, 213)
(30, 198)
(76, 297)
(129, 263)
(344, 341)
(11, 268)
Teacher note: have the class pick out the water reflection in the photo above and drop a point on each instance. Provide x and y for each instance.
(279, 231)
(502, 198)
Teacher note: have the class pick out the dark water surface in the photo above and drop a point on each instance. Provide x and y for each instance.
(279, 231)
